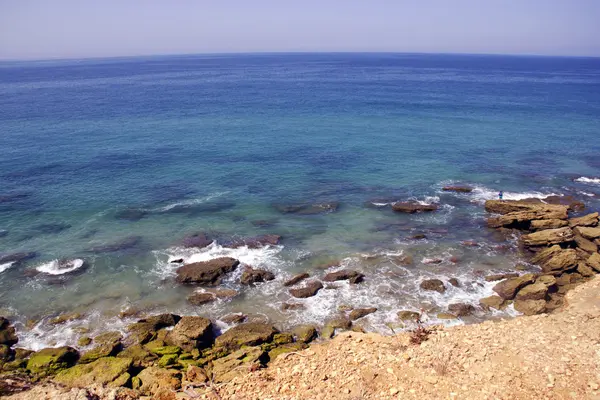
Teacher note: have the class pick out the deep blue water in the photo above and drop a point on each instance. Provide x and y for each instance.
(213, 143)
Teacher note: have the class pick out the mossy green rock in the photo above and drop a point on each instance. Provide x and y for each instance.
(167, 360)
(283, 338)
(107, 349)
(51, 360)
(84, 341)
(338, 323)
(248, 334)
(163, 350)
(141, 356)
(111, 371)
(5, 352)
(305, 333)
(286, 348)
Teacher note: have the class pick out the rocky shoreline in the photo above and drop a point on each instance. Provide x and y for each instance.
(165, 353)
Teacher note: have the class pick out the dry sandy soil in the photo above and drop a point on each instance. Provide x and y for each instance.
(554, 356)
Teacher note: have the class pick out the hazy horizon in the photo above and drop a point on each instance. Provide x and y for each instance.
(69, 29)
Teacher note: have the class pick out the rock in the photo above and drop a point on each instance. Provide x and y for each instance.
(107, 371)
(311, 288)
(585, 270)
(84, 341)
(588, 232)
(508, 288)
(550, 236)
(195, 374)
(250, 276)
(308, 209)
(191, 333)
(8, 335)
(248, 334)
(433, 284)
(457, 188)
(541, 224)
(461, 309)
(108, 344)
(499, 277)
(469, 243)
(238, 363)
(352, 276)
(536, 291)
(161, 320)
(282, 338)
(123, 244)
(305, 333)
(569, 201)
(51, 360)
(555, 259)
(292, 306)
(530, 307)
(361, 312)
(255, 242)
(145, 329)
(419, 236)
(586, 220)
(198, 240)
(199, 298)
(153, 379)
(454, 282)
(594, 262)
(206, 272)
(411, 208)
(285, 348)
(167, 360)
(16, 257)
(140, 356)
(61, 319)
(446, 316)
(235, 318)
(296, 279)
(585, 244)
(512, 206)
(160, 348)
(409, 315)
(403, 259)
(494, 301)
(331, 325)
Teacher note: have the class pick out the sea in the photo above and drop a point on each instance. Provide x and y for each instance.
(111, 163)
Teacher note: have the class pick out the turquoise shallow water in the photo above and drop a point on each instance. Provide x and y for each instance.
(213, 144)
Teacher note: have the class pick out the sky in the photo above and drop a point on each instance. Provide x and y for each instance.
(46, 29)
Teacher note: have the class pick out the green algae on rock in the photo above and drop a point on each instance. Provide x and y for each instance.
(51, 360)
(111, 371)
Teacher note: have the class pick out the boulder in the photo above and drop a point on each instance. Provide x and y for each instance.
(309, 290)
(234, 318)
(588, 232)
(51, 360)
(555, 259)
(530, 307)
(331, 325)
(195, 374)
(361, 312)
(494, 301)
(409, 315)
(549, 237)
(433, 284)
(107, 371)
(237, 364)
(140, 356)
(8, 335)
(594, 262)
(499, 277)
(454, 282)
(250, 276)
(305, 333)
(508, 288)
(199, 298)
(255, 242)
(585, 270)
(145, 329)
(152, 380)
(108, 344)
(285, 348)
(296, 279)
(198, 240)
(461, 309)
(585, 244)
(542, 224)
(411, 207)
(352, 276)
(457, 188)
(191, 333)
(248, 334)
(206, 272)
(513, 206)
(536, 291)
(586, 220)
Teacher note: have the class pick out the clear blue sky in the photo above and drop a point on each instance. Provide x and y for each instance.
(41, 29)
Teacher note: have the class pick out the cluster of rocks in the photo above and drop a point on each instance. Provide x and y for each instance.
(566, 250)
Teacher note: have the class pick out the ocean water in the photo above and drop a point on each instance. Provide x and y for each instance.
(137, 153)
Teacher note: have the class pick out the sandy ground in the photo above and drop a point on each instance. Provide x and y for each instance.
(553, 356)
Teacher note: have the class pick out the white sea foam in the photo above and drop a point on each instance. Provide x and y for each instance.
(5, 266)
(188, 203)
(585, 179)
(380, 204)
(60, 267)
(481, 193)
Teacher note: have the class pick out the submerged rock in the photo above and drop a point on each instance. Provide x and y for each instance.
(344, 274)
(408, 315)
(16, 257)
(331, 326)
(310, 289)
(255, 242)
(413, 207)
(307, 209)
(206, 272)
(236, 318)
(198, 240)
(250, 276)
(433, 284)
(49, 229)
(131, 214)
(123, 244)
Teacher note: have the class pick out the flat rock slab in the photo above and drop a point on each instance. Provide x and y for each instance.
(549, 237)
(206, 272)
(311, 289)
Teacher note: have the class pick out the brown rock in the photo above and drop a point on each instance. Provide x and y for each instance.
(594, 262)
(433, 284)
(458, 188)
(403, 259)
(296, 279)
(199, 298)
(292, 306)
(542, 224)
(585, 244)
(238, 363)
(154, 379)
(408, 315)
(234, 318)
(495, 302)
(361, 312)
(536, 291)
(548, 280)
(248, 334)
(585, 270)
(569, 201)
(512, 206)
(352, 276)
(530, 307)
(588, 232)
(508, 288)
(311, 289)
(305, 333)
(454, 282)
(195, 374)
(411, 208)
(555, 259)
(250, 276)
(191, 333)
(499, 277)
(255, 242)
(549, 236)
(461, 309)
(206, 272)
(586, 220)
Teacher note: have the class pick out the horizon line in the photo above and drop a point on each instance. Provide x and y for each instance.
(233, 53)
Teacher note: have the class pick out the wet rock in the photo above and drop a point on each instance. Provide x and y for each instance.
(331, 326)
(549, 237)
(586, 220)
(499, 277)
(51, 360)
(408, 315)
(585, 270)
(403, 259)
(305, 333)
(435, 260)
(292, 306)
(571, 202)
(191, 333)
(555, 259)
(536, 291)
(530, 307)
(585, 244)
(108, 371)
(198, 240)
(542, 224)
(61, 319)
(307, 209)
(454, 282)
(264, 223)
(508, 288)
(411, 208)
(131, 214)
(200, 298)
(251, 276)
(206, 272)
(495, 302)
(238, 363)
(234, 318)
(8, 335)
(248, 334)
(433, 284)
(108, 344)
(352, 276)
(419, 236)
(140, 356)
(16, 257)
(588, 232)
(458, 188)
(152, 380)
(446, 316)
(176, 260)
(124, 244)
(461, 309)
(255, 242)
(296, 279)
(310, 289)
(361, 312)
